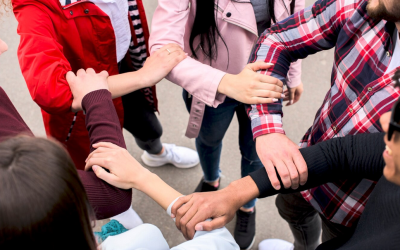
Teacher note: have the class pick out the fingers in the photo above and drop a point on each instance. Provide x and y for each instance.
(268, 94)
(104, 73)
(283, 173)
(269, 167)
(186, 228)
(301, 167)
(293, 174)
(270, 80)
(179, 203)
(180, 213)
(291, 97)
(106, 145)
(80, 72)
(70, 77)
(259, 66)
(90, 71)
(104, 175)
(260, 100)
(211, 225)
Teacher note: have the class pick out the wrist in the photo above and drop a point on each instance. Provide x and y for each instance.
(224, 83)
(242, 191)
(143, 180)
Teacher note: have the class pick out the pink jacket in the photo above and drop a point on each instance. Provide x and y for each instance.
(172, 23)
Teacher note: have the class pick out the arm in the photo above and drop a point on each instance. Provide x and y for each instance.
(206, 83)
(11, 122)
(90, 91)
(42, 61)
(357, 156)
(306, 32)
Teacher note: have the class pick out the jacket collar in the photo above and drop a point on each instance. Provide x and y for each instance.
(241, 13)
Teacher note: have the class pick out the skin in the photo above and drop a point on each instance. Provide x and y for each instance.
(392, 153)
(3, 47)
(276, 151)
(124, 171)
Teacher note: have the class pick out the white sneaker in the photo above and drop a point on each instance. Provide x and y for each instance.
(275, 244)
(180, 157)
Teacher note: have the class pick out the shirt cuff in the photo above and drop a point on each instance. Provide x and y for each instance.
(95, 96)
(267, 124)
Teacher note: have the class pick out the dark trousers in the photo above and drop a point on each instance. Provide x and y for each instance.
(141, 122)
(139, 118)
(306, 223)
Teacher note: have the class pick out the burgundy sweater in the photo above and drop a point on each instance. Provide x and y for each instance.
(103, 125)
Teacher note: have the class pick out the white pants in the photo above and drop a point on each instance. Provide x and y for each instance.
(149, 237)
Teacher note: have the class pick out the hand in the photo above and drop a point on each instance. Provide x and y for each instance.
(292, 95)
(250, 87)
(83, 83)
(3, 47)
(191, 211)
(124, 171)
(160, 63)
(277, 151)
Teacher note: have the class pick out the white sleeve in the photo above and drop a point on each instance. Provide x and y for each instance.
(214, 240)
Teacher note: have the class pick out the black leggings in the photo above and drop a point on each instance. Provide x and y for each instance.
(141, 122)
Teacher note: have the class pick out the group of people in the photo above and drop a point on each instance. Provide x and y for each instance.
(92, 67)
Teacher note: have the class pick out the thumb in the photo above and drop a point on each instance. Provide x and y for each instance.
(259, 66)
(211, 225)
(70, 77)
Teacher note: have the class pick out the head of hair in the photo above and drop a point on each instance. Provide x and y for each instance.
(43, 203)
(205, 27)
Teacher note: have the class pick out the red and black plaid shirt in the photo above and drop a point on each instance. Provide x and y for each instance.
(360, 90)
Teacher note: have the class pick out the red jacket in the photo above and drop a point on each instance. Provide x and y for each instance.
(55, 40)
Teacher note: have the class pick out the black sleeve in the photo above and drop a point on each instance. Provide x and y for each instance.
(352, 156)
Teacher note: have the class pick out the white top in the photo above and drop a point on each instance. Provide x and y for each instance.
(395, 62)
(117, 11)
(149, 237)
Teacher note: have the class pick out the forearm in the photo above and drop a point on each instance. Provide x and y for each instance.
(102, 119)
(122, 84)
(154, 187)
(358, 156)
(242, 191)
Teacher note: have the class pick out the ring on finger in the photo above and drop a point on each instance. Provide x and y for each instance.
(169, 52)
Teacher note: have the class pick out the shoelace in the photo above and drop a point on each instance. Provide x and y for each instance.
(243, 222)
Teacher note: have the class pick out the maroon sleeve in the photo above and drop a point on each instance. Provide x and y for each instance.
(103, 126)
(11, 123)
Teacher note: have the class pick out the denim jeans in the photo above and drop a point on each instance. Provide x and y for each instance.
(209, 142)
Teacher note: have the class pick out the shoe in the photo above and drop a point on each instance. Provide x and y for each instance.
(205, 187)
(275, 244)
(180, 157)
(245, 229)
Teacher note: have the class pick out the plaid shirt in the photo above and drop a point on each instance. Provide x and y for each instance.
(360, 90)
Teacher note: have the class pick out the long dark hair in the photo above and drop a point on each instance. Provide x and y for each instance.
(205, 26)
(43, 204)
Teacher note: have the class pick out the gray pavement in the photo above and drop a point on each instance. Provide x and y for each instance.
(173, 116)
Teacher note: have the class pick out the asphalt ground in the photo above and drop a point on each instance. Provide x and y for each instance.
(173, 116)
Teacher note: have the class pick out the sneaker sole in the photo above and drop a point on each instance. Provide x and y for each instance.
(157, 164)
(251, 244)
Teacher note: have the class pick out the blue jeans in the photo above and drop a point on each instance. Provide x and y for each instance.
(209, 142)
